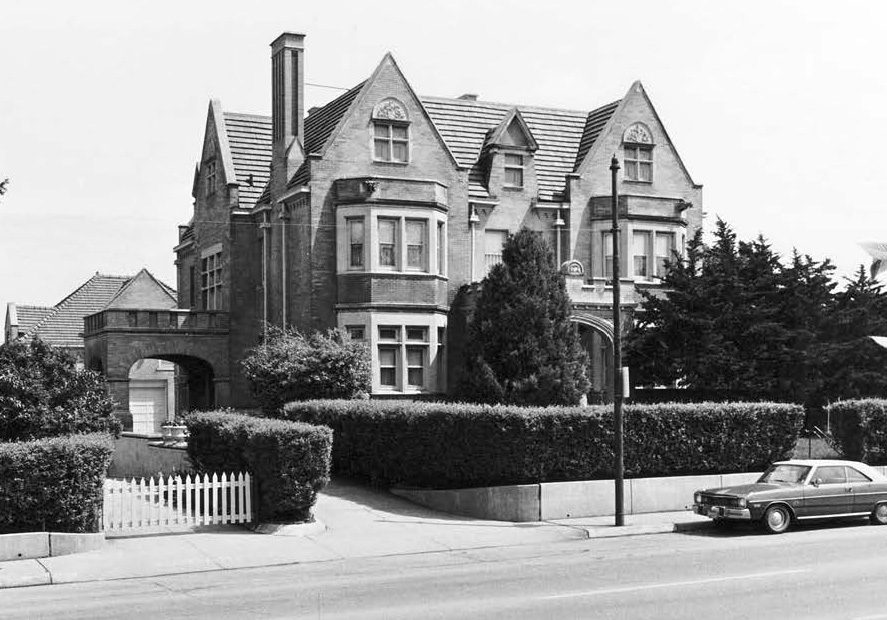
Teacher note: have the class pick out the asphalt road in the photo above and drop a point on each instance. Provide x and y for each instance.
(821, 571)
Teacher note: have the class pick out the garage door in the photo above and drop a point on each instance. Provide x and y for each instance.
(147, 404)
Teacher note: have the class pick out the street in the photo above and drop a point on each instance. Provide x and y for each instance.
(813, 571)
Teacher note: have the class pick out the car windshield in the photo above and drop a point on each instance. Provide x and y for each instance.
(792, 474)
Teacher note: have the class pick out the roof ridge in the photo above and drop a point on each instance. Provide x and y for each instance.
(263, 117)
(501, 104)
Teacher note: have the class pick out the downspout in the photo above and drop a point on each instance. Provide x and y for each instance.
(284, 216)
(473, 219)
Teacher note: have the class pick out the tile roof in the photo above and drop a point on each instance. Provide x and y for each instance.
(249, 137)
(63, 324)
(465, 124)
(29, 316)
(564, 138)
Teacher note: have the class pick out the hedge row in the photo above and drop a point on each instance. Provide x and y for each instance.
(290, 462)
(447, 445)
(54, 484)
(860, 428)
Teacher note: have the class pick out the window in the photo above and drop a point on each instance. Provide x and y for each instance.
(211, 281)
(388, 366)
(830, 475)
(494, 241)
(416, 244)
(641, 251)
(355, 242)
(389, 333)
(387, 243)
(417, 333)
(664, 252)
(210, 188)
(856, 476)
(514, 170)
(391, 141)
(442, 358)
(441, 248)
(192, 286)
(355, 332)
(608, 255)
(638, 163)
(416, 366)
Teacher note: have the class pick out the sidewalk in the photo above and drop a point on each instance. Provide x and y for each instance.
(359, 522)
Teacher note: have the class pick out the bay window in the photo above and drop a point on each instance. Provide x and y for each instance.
(607, 255)
(387, 243)
(416, 243)
(664, 252)
(641, 253)
(356, 237)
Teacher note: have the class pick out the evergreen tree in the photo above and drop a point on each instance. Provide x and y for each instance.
(522, 347)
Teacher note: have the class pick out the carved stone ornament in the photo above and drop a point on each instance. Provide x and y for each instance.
(390, 109)
(572, 268)
(638, 134)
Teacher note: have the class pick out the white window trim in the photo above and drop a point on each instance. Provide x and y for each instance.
(391, 124)
(637, 162)
(507, 167)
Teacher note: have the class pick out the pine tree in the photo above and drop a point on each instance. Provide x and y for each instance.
(522, 347)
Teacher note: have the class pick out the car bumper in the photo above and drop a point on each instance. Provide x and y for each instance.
(722, 512)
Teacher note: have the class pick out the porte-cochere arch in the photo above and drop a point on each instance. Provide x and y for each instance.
(197, 342)
(596, 334)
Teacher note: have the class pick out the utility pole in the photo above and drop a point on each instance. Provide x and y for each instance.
(617, 350)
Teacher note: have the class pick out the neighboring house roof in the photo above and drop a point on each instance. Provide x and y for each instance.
(29, 316)
(249, 138)
(62, 326)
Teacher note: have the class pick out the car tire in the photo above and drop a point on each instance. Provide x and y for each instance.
(879, 514)
(776, 519)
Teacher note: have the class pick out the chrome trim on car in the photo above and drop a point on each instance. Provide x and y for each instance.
(843, 514)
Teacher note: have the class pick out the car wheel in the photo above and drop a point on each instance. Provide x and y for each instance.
(776, 519)
(879, 514)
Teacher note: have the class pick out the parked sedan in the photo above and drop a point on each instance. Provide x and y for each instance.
(798, 490)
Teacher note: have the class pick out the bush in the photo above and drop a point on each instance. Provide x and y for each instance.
(860, 429)
(54, 484)
(294, 366)
(441, 445)
(42, 394)
(290, 462)
(543, 362)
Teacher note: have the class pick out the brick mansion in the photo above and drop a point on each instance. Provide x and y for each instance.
(373, 212)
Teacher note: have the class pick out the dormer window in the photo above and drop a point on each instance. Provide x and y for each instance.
(638, 153)
(391, 132)
(514, 170)
(210, 178)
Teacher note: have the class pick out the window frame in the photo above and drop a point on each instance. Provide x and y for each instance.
(211, 281)
(423, 245)
(211, 175)
(350, 223)
(606, 259)
(491, 259)
(647, 236)
(513, 168)
(633, 162)
(390, 140)
(659, 261)
(395, 243)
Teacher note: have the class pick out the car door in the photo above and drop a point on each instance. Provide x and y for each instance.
(865, 492)
(826, 494)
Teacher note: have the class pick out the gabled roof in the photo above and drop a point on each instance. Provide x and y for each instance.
(464, 124)
(143, 290)
(499, 135)
(63, 324)
(249, 138)
(320, 123)
(26, 317)
(594, 125)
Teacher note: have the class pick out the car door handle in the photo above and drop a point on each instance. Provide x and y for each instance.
(849, 489)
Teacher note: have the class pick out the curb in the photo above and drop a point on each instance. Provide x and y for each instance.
(33, 545)
(289, 529)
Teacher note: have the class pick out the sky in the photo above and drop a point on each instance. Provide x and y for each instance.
(777, 108)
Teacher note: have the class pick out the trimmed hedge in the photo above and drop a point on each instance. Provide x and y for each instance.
(54, 484)
(443, 445)
(860, 428)
(290, 462)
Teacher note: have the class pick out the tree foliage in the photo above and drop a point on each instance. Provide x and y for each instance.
(296, 366)
(735, 319)
(522, 347)
(42, 394)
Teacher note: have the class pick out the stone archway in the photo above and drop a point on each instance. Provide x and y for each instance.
(596, 335)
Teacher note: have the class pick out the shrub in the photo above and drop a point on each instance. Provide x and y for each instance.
(289, 461)
(860, 428)
(54, 484)
(442, 445)
(42, 394)
(543, 362)
(294, 366)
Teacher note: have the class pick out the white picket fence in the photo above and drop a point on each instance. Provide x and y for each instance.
(133, 504)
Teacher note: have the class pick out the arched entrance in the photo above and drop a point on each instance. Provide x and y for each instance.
(596, 335)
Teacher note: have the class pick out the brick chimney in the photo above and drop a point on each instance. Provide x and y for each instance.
(287, 100)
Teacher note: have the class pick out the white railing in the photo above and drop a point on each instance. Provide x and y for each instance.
(132, 504)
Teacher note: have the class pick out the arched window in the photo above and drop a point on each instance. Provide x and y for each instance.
(391, 132)
(637, 144)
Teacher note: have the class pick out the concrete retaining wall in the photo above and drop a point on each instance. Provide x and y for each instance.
(563, 500)
(140, 456)
(32, 545)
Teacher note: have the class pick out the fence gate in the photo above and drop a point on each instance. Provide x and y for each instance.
(132, 504)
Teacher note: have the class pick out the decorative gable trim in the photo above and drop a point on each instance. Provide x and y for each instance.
(217, 120)
(497, 138)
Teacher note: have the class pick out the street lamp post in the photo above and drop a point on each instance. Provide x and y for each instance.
(617, 349)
